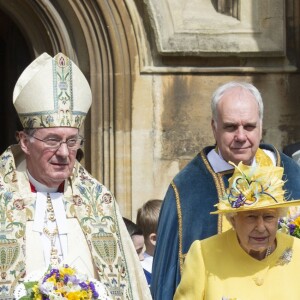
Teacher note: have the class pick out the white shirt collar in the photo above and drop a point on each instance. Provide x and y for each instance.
(220, 165)
(39, 187)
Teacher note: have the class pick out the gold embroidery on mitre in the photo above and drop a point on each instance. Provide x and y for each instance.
(52, 92)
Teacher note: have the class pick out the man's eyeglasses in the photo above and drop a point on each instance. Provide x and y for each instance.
(54, 144)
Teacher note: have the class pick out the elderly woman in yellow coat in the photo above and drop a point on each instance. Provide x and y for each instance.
(252, 260)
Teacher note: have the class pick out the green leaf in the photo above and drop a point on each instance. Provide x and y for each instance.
(29, 292)
(30, 284)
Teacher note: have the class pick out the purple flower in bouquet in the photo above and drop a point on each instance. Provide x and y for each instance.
(64, 283)
(290, 226)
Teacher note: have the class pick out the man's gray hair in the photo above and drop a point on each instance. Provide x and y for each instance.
(219, 92)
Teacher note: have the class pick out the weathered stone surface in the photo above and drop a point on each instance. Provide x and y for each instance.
(195, 27)
(153, 66)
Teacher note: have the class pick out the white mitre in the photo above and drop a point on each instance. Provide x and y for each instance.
(52, 92)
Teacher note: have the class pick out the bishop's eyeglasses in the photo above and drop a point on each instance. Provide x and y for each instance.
(54, 144)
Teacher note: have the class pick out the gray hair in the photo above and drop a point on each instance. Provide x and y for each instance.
(229, 216)
(29, 131)
(219, 92)
(282, 212)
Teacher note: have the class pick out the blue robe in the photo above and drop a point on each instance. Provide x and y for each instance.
(185, 215)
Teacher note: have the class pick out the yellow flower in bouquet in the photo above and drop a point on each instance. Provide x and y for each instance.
(291, 223)
(64, 283)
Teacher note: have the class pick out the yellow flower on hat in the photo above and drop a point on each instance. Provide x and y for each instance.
(254, 187)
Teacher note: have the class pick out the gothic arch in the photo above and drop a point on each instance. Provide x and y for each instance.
(98, 35)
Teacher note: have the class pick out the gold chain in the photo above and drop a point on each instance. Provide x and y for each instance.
(50, 235)
(54, 259)
(50, 210)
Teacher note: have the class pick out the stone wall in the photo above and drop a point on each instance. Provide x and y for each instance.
(194, 49)
(153, 65)
(176, 123)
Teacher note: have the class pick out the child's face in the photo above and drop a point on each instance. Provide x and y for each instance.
(138, 241)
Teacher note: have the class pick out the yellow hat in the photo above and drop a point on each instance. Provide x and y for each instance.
(252, 188)
(52, 92)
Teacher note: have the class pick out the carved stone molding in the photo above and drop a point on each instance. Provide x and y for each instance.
(195, 27)
(209, 36)
(228, 7)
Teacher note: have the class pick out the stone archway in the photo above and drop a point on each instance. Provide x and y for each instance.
(98, 36)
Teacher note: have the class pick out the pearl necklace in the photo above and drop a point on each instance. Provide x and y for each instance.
(269, 251)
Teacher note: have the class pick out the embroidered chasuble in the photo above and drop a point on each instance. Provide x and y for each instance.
(97, 240)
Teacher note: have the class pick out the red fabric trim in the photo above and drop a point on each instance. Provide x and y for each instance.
(32, 187)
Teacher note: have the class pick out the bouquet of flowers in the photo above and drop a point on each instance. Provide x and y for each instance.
(291, 223)
(62, 283)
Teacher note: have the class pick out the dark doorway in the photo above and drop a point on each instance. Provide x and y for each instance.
(14, 57)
